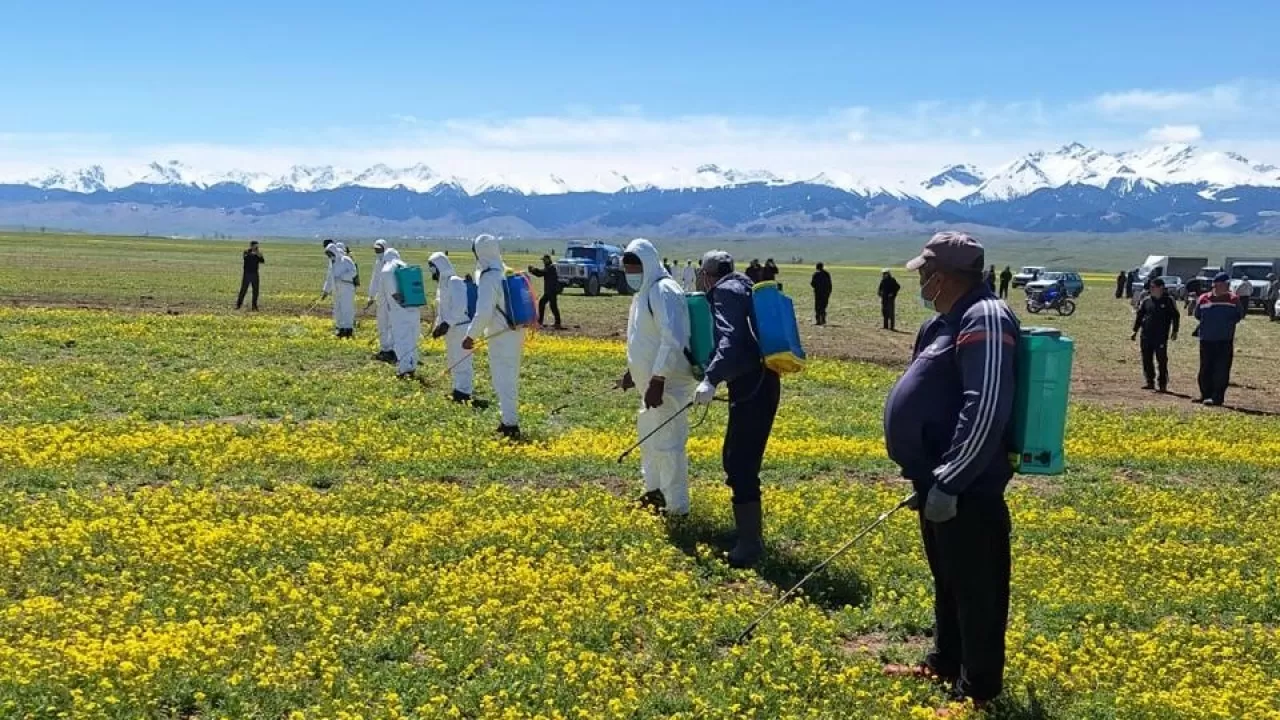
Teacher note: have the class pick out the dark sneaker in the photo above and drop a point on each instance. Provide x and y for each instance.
(653, 500)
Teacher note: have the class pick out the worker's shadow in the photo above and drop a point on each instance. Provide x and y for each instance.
(831, 589)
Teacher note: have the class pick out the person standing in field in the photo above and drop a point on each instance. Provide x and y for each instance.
(1218, 312)
(490, 322)
(888, 292)
(1273, 297)
(341, 283)
(1120, 279)
(249, 275)
(452, 317)
(1129, 281)
(386, 339)
(821, 284)
(690, 277)
(946, 422)
(754, 392)
(405, 321)
(657, 329)
(550, 291)
(1157, 319)
(991, 278)
(1006, 277)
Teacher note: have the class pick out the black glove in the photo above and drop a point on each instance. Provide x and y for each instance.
(653, 395)
(625, 382)
(440, 330)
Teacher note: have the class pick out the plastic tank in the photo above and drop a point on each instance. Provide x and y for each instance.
(409, 285)
(1040, 404)
(777, 329)
(702, 340)
(522, 302)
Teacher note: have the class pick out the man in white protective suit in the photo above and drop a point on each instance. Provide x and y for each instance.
(341, 283)
(405, 322)
(505, 343)
(452, 318)
(690, 278)
(657, 335)
(385, 351)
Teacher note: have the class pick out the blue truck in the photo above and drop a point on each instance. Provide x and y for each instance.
(593, 266)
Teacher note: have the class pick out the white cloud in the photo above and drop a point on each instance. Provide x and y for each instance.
(1175, 134)
(888, 145)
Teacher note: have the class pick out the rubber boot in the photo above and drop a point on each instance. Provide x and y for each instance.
(653, 501)
(460, 397)
(750, 546)
(510, 432)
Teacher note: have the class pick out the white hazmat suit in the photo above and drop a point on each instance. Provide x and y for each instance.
(506, 345)
(451, 310)
(405, 322)
(341, 283)
(385, 340)
(690, 277)
(657, 333)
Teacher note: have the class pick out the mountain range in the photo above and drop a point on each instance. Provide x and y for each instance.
(1175, 188)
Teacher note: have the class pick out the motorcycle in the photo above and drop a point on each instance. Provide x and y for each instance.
(1050, 299)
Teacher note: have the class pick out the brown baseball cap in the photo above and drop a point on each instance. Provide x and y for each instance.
(951, 251)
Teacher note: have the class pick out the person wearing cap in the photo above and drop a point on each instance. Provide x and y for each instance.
(754, 391)
(1219, 312)
(1158, 320)
(888, 292)
(249, 277)
(1006, 277)
(382, 308)
(946, 422)
(821, 284)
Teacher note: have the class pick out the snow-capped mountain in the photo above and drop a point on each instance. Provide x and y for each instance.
(953, 183)
(1074, 188)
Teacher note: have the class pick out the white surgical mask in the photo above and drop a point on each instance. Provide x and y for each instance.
(928, 303)
(634, 281)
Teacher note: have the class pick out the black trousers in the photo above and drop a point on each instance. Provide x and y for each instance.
(820, 302)
(753, 403)
(1004, 289)
(246, 282)
(970, 560)
(889, 313)
(1215, 368)
(552, 300)
(1155, 352)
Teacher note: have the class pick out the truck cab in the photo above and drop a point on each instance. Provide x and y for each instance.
(593, 267)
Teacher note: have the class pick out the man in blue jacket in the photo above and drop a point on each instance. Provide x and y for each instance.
(946, 425)
(1219, 312)
(753, 397)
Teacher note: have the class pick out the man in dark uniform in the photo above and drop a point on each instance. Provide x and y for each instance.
(1157, 319)
(888, 292)
(249, 276)
(821, 284)
(550, 291)
(1006, 277)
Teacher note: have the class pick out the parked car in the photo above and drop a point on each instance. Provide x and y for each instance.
(1026, 275)
(1073, 281)
(1176, 288)
(1203, 281)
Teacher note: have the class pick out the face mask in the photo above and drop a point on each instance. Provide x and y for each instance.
(925, 301)
(634, 281)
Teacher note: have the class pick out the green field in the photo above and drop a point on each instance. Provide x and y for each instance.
(211, 514)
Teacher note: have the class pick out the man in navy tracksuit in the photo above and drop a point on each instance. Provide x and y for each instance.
(946, 425)
(1219, 312)
(754, 392)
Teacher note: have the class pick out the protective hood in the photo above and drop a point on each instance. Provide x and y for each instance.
(488, 252)
(443, 265)
(649, 260)
(391, 255)
(379, 244)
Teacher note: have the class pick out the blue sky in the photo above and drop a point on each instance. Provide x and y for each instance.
(499, 78)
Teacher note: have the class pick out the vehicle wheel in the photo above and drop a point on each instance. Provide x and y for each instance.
(1033, 308)
(593, 286)
(620, 285)
(1067, 308)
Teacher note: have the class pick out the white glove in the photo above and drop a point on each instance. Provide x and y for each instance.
(705, 394)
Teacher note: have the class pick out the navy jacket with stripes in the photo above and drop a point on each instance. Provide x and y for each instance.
(947, 420)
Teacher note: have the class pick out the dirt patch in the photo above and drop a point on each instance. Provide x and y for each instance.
(886, 647)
